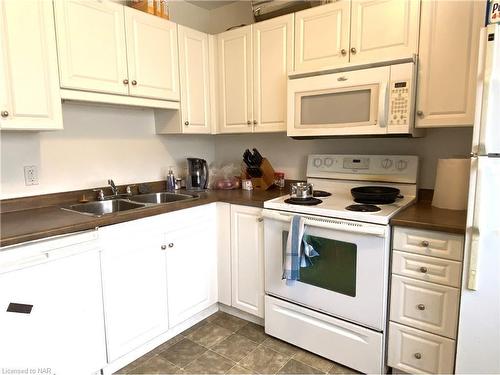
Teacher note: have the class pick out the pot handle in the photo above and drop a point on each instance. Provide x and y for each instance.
(399, 196)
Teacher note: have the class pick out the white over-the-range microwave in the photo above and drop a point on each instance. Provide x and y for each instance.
(373, 101)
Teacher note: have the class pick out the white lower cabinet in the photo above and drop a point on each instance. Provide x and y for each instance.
(425, 296)
(247, 259)
(134, 285)
(191, 268)
(157, 272)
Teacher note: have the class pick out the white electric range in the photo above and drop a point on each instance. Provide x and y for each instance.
(338, 308)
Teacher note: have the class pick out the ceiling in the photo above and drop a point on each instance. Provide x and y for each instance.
(209, 4)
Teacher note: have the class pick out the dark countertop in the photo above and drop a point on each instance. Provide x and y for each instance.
(29, 224)
(423, 215)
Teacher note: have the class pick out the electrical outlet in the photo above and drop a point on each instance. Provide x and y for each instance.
(30, 175)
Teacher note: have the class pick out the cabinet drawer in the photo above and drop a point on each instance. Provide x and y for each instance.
(436, 244)
(418, 352)
(441, 271)
(427, 306)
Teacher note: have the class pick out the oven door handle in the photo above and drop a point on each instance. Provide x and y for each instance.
(335, 224)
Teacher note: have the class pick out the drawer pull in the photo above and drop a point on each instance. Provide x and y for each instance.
(417, 355)
(424, 243)
(421, 306)
(423, 269)
(163, 247)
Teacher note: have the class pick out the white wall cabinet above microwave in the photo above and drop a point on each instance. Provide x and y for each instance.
(355, 32)
(29, 85)
(254, 62)
(107, 48)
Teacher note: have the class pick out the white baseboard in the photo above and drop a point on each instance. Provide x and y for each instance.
(241, 314)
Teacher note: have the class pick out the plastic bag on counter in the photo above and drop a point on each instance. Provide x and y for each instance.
(224, 177)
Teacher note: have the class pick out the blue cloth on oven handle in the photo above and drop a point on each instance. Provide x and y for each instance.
(298, 252)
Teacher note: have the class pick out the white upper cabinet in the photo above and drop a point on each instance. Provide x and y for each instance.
(235, 80)
(91, 46)
(29, 83)
(272, 60)
(322, 36)
(383, 30)
(447, 68)
(152, 56)
(195, 81)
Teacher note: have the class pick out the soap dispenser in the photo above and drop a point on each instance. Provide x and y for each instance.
(170, 180)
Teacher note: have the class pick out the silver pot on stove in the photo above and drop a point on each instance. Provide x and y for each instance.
(301, 190)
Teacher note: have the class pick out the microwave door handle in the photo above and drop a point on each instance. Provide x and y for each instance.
(383, 107)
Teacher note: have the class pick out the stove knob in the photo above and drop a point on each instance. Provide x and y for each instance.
(328, 162)
(317, 162)
(401, 165)
(387, 163)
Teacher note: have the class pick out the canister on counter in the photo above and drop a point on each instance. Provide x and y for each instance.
(246, 184)
(279, 179)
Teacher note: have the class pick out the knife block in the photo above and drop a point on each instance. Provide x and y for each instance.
(267, 179)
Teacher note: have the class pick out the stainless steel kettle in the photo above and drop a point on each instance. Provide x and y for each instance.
(197, 178)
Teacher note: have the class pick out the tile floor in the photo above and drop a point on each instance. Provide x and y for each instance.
(225, 344)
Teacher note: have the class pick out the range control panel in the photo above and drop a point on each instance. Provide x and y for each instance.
(399, 106)
(390, 168)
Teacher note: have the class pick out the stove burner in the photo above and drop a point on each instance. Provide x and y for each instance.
(374, 201)
(304, 201)
(363, 208)
(321, 193)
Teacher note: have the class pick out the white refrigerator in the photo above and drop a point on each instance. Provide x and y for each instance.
(478, 345)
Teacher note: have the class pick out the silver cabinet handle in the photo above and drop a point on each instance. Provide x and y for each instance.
(421, 306)
(249, 122)
(125, 81)
(163, 247)
(424, 243)
(353, 50)
(423, 269)
(5, 114)
(343, 52)
(171, 245)
(420, 113)
(134, 82)
(417, 355)
(186, 123)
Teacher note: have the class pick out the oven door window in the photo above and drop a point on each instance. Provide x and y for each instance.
(347, 106)
(335, 267)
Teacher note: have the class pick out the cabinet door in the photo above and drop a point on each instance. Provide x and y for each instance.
(134, 286)
(29, 85)
(322, 36)
(247, 259)
(152, 56)
(272, 60)
(191, 270)
(383, 30)
(235, 80)
(447, 68)
(195, 80)
(91, 46)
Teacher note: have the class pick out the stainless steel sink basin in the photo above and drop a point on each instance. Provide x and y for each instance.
(164, 197)
(99, 208)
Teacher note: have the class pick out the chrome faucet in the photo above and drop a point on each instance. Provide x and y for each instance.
(114, 189)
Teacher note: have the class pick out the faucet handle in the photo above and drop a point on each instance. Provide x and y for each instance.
(128, 189)
(100, 194)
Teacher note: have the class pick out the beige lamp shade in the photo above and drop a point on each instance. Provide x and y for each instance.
(452, 184)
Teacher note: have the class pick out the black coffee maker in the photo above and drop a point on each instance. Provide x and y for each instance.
(197, 178)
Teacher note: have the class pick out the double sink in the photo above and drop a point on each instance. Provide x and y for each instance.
(132, 202)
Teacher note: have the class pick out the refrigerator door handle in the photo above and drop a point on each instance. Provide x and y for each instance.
(473, 254)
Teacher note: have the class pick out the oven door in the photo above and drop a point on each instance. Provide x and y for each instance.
(347, 103)
(348, 279)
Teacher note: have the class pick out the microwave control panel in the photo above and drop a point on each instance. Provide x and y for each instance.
(399, 111)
